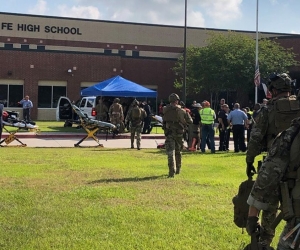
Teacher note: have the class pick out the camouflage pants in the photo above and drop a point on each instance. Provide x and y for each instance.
(115, 119)
(136, 130)
(174, 145)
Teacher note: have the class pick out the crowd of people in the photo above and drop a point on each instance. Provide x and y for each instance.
(118, 112)
(200, 134)
(237, 122)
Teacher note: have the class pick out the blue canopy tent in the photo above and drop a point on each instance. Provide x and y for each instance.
(118, 86)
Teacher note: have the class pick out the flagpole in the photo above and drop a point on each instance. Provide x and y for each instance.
(256, 47)
(184, 54)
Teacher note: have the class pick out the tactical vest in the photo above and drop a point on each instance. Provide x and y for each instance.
(282, 112)
(136, 113)
(171, 117)
(171, 114)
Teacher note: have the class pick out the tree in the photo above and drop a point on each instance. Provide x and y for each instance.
(228, 63)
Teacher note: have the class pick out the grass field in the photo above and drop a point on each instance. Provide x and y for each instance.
(79, 198)
(53, 126)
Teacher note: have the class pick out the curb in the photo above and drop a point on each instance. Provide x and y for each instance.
(31, 135)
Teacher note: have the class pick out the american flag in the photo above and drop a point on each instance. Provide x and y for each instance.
(257, 76)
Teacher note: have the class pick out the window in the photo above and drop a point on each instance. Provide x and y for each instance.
(24, 47)
(48, 95)
(135, 53)
(11, 94)
(82, 104)
(90, 103)
(40, 47)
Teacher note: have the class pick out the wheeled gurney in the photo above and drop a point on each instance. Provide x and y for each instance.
(10, 119)
(91, 126)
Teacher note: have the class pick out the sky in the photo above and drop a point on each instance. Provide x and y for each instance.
(276, 16)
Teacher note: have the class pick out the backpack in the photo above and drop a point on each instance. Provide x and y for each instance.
(241, 207)
(171, 114)
(136, 113)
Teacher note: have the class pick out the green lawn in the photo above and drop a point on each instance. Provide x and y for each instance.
(80, 198)
(53, 126)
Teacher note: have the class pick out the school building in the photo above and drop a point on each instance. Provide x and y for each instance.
(46, 57)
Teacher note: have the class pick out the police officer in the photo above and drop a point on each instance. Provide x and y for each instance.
(279, 180)
(272, 119)
(175, 121)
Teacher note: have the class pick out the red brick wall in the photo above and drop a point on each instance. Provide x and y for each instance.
(90, 68)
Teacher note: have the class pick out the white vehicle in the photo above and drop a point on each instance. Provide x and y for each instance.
(64, 111)
(88, 106)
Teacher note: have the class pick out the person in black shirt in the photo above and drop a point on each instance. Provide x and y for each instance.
(224, 134)
(147, 121)
(194, 128)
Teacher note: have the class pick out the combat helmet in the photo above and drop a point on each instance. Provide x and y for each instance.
(173, 97)
(280, 81)
(135, 102)
(116, 100)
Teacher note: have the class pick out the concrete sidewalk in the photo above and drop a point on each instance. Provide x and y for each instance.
(67, 140)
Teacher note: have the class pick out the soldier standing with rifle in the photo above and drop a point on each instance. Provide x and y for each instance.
(278, 180)
(272, 119)
(175, 121)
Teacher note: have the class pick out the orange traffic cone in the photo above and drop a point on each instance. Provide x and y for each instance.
(193, 147)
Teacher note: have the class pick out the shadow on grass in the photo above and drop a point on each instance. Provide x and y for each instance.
(132, 179)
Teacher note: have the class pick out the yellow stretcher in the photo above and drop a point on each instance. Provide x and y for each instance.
(91, 127)
(12, 134)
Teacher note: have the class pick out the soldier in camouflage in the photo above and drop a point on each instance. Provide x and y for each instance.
(280, 169)
(175, 121)
(101, 110)
(116, 114)
(135, 118)
(272, 119)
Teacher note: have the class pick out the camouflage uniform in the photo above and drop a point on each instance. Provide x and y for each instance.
(115, 112)
(263, 131)
(263, 134)
(136, 125)
(266, 194)
(174, 124)
(102, 111)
